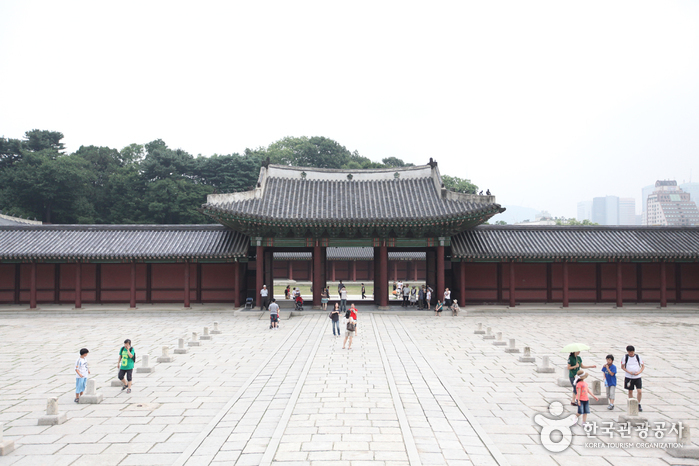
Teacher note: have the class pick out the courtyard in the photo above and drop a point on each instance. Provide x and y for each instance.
(414, 388)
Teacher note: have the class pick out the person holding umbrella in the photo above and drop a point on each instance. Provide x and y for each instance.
(575, 364)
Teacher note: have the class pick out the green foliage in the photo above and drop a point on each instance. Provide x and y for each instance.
(148, 183)
(573, 222)
(501, 222)
(460, 185)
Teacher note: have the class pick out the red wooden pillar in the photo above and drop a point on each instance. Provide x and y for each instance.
(186, 284)
(414, 271)
(565, 283)
(354, 271)
(236, 280)
(332, 271)
(383, 275)
(290, 273)
(78, 285)
(663, 284)
(462, 283)
(133, 286)
(318, 273)
(619, 301)
(512, 284)
(259, 274)
(32, 287)
(395, 271)
(440, 272)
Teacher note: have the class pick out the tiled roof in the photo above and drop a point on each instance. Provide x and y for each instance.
(370, 197)
(352, 254)
(577, 243)
(121, 242)
(10, 220)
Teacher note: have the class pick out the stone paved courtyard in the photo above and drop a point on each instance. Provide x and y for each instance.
(414, 389)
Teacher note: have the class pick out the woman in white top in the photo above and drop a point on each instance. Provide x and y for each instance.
(447, 297)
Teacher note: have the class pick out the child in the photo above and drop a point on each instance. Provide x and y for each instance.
(583, 390)
(609, 371)
(127, 358)
(83, 371)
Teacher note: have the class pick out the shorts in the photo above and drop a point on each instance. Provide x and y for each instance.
(610, 392)
(127, 373)
(575, 390)
(274, 318)
(630, 384)
(80, 383)
(584, 407)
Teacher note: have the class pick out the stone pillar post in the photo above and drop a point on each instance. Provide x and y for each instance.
(332, 271)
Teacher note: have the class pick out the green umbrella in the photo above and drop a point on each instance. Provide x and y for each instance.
(575, 347)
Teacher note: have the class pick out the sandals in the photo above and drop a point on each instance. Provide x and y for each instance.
(128, 390)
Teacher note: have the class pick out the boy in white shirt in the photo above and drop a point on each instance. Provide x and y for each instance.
(82, 371)
(633, 365)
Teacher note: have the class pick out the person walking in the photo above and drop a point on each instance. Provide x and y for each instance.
(582, 397)
(413, 296)
(428, 298)
(287, 292)
(335, 317)
(324, 298)
(363, 291)
(609, 371)
(343, 299)
(406, 295)
(420, 297)
(340, 286)
(82, 371)
(127, 358)
(264, 294)
(274, 314)
(354, 315)
(633, 365)
(574, 365)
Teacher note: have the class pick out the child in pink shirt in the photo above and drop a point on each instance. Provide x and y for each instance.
(582, 392)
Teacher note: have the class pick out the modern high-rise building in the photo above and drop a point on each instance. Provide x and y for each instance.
(645, 192)
(605, 210)
(669, 205)
(627, 211)
(584, 211)
(692, 189)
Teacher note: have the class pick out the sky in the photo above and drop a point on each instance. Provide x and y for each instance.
(545, 103)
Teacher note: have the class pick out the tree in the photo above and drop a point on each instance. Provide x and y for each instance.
(228, 173)
(501, 222)
(37, 140)
(460, 185)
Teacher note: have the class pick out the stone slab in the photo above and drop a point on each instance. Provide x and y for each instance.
(7, 447)
(684, 452)
(53, 419)
(91, 399)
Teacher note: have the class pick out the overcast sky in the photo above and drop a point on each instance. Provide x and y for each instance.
(545, 103)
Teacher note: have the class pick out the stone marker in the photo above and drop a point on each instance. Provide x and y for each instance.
(565, 380)
(166, 355)
(6, 446)
(216, 331)
(489, 334)
(180, 347)
(511, 348)
(632, 416)
(544, 368)
(499, 341)
(91, 396)
(52, 417)
(144, 368)
(195, 340)
(596, 387)
(206, 335)
(527, 356)
(687, 450)
(479, 330)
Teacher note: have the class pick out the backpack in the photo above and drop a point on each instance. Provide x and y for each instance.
(351, 326)
(626, 360)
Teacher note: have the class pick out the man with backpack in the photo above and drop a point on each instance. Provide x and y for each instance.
(633, 365)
